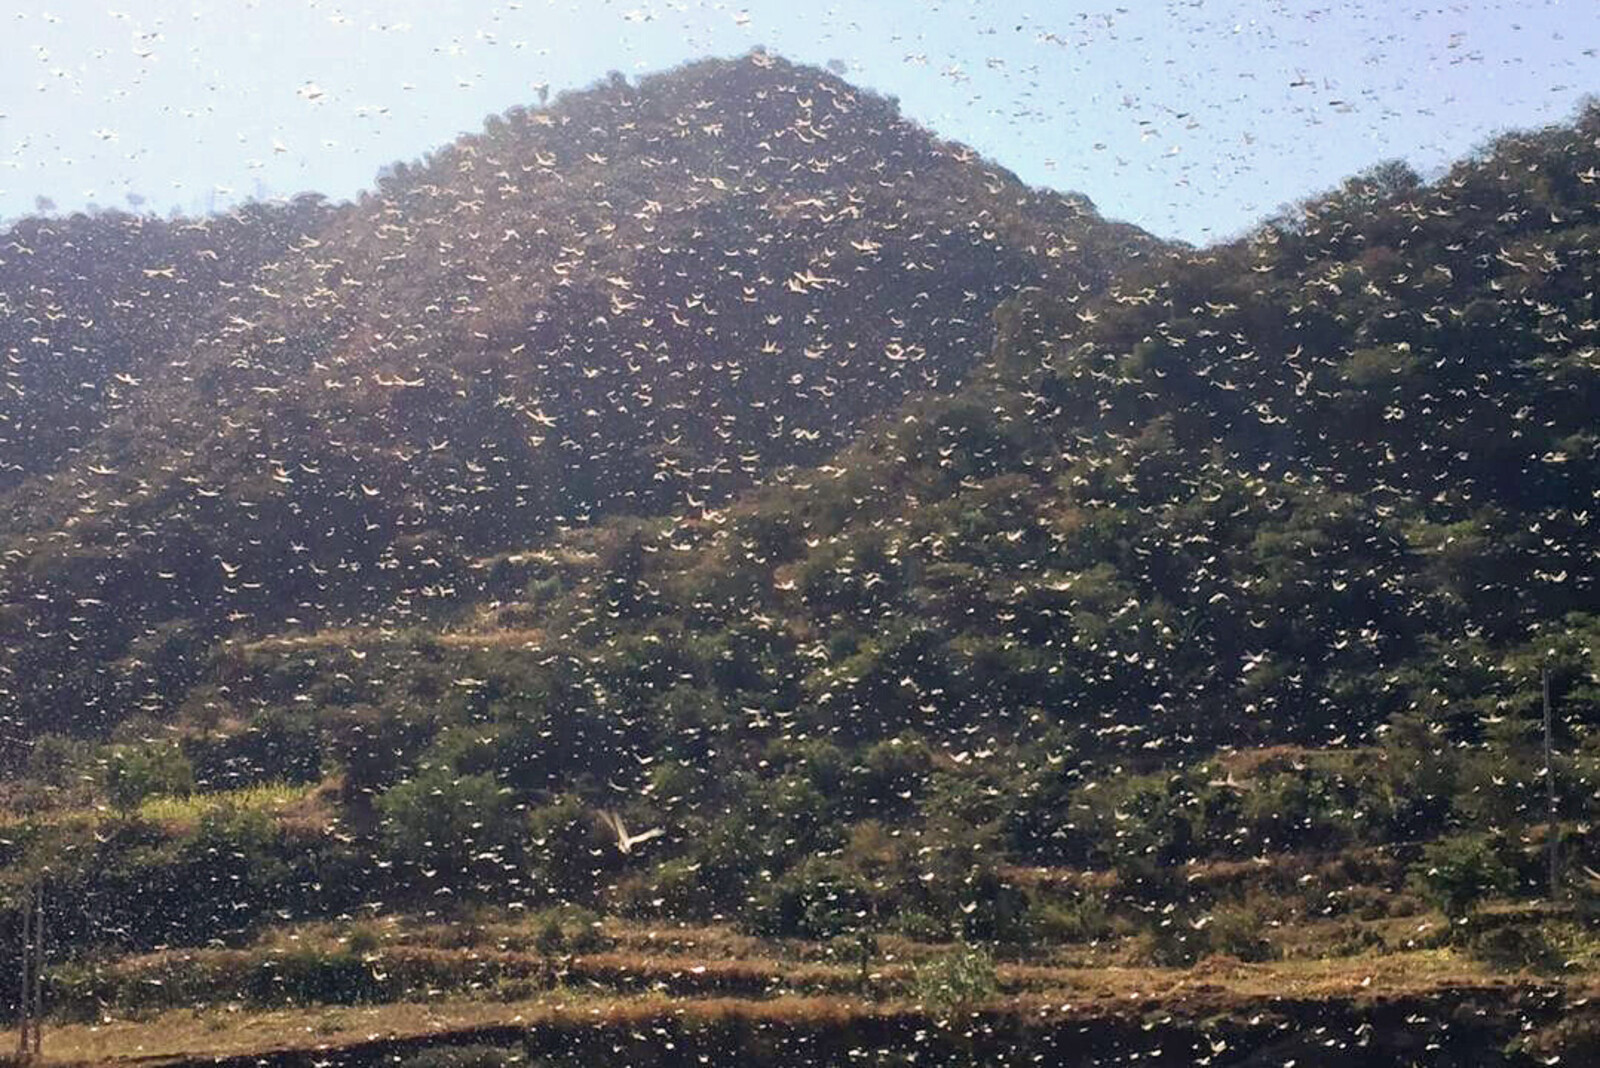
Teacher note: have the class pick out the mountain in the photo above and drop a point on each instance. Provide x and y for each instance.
(1290, 490)
(1264, 549)
(89, 301)
(438, 622)
(638, 297)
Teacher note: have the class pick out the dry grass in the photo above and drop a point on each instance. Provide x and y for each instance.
(722, 943)
(1215, 985)
(490, 948)
(481, 972)
(223, 1031)
(356, 638)
(512, 638)
(341, 638)
(1329, 866)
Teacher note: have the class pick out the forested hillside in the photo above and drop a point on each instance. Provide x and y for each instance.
(1207, 619)
(637, 297)
(1329, 486)
(90, 306)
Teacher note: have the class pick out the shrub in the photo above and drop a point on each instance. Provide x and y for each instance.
(364, 939)
(375, 748)
(1458, 872)
(1000, 912)
(964, 976)
(1173, 943)
(919, 926)
(1140, 824)
(1239, 931)
(1306, 809)
(134, 773)
(551, 939)
(1080, 919)
(1352, 939)
(1512, 947)
(449, 824)
(311, 977)
(55, 758)
(568, 852)
(815, 900)
(510, 989)
(892, 773)
(276, 747)
(587, 937)
(542, 591)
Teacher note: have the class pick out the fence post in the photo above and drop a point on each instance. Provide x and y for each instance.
(1553, 833)
(38, 970)
(23, 1000)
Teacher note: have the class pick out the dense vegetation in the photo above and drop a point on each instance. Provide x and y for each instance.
(1214, 604)
(639, 296)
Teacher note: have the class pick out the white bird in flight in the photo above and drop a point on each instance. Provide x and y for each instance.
(626, 841)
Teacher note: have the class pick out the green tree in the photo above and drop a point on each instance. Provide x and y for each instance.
(447, 826)
(134, 773)
(1458, 872)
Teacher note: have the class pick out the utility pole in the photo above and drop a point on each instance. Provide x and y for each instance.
(25, 1001)
(38, 970)
(1552, 834)
(30, 1006)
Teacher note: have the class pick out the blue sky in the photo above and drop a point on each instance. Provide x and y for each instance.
(1192, 118)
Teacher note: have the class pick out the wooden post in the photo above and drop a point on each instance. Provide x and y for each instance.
(30, 1005)
(25, 1001)
(1553, 833)
(38, 970)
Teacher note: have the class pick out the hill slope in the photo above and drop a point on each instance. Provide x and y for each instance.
(1275, 491)
(1207, 617)
(1325, 492)
(90, 306)
(1330, 488)
(638, 297)
(1175, 679)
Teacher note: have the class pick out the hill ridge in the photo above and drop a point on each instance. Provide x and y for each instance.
(637, 296)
